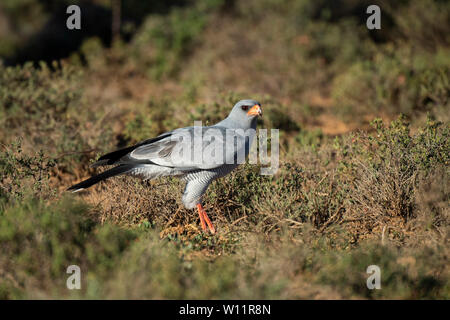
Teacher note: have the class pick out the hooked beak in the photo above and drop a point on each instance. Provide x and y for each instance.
(255, 111)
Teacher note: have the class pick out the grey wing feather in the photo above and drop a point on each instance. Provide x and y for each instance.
(179, 149)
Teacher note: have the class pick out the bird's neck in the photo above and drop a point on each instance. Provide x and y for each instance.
(237, 123)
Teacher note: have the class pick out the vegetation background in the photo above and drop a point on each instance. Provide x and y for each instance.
(364, 121)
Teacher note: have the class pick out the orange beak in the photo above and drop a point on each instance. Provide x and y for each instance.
(255, 111)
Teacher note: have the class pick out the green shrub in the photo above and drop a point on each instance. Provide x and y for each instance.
(393, 83)
(424, 24)
(21, 174)
(387, 166)
(403, 272)
(40, 241)
(37, 96)
(165, 41)
(46, 108)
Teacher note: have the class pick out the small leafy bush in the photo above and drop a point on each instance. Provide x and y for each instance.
(387, 167)
(22, 174)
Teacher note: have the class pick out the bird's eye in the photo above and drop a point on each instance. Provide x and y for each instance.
(245, 108)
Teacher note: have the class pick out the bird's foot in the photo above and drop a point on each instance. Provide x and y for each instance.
(204, 219)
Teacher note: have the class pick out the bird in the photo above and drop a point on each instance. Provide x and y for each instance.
(171, 153)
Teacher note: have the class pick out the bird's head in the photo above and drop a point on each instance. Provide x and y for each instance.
(246, 109)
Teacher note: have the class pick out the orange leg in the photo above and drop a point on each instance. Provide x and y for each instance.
(204, 218)
(200, 214)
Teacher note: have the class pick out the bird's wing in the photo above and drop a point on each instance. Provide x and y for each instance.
(186, 149)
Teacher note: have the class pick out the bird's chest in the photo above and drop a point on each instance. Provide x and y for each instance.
(211, 174)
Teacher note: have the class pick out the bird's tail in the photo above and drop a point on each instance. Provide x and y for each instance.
(120, 169)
